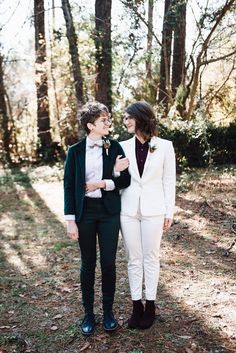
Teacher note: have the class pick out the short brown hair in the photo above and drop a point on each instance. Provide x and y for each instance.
(146, 122)
(90, 112)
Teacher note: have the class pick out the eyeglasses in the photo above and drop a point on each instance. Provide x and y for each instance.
(104, 121)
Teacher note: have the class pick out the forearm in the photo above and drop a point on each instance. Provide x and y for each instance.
(106, 184)
(122, 181)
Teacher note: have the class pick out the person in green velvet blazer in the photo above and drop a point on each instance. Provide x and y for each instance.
(92, 207)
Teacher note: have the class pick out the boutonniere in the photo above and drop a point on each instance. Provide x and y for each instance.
(152, 148)
(106, 145)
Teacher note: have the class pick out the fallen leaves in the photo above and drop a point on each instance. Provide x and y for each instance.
(87, 345)
(53, 328)
(188, 350)
(193, 280)
(58, 316)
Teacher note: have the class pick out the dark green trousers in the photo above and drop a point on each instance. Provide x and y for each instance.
(95, 224)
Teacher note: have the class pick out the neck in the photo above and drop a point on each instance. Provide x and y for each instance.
(140, 138)
(94, 136)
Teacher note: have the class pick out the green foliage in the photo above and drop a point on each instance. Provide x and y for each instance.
(199, 143)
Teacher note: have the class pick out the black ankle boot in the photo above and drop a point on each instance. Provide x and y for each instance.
(109, 321)
(149, 315)
(137, 314)
(88, 324)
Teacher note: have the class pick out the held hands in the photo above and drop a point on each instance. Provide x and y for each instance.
(72, 230)
(167, 223)
(121, 163)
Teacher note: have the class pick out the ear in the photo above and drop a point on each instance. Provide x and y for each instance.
(90, 126)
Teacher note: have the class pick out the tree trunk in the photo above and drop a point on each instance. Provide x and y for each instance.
(178, 66)
(149, 40)
(73, 49)
(4, 116)
(164, 85)
(103, 91)
(194, 87)
(44, 129)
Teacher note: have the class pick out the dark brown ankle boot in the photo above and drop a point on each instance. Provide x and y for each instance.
(137, 314)
(149, 315)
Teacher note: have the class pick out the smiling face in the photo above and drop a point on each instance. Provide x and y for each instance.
(100, 127)
(130, 123)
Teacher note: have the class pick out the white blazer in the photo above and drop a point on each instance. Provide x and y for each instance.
(155, 190)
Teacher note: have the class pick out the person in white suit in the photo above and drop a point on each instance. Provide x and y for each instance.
(147, 207)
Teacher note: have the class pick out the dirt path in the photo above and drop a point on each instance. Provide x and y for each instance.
(40, 301)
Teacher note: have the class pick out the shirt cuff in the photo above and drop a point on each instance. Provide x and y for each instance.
(115, 173)
(70, 217)
(110, 185)
(169, 215)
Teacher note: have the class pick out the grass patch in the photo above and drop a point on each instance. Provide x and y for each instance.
(62, 245)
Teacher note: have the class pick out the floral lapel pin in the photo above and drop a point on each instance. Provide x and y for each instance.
(152, 148)
(106, 145)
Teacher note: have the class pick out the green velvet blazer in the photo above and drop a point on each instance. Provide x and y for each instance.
(74, 179)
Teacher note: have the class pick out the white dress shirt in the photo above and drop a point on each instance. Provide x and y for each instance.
(93, 170)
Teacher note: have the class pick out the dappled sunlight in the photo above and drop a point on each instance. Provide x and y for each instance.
(25, 257)
(52, 195)
(8, 226)
(196, 296)
(196, 272)
(203, 292)
(14, 259)
(214, 315)
(195, 269)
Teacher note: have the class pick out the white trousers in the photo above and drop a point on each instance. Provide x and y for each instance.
(142, 239)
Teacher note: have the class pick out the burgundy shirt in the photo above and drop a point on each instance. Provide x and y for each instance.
(141, 151)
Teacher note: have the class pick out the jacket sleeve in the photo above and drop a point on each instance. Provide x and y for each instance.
(169, 180)
(123, 180)
(69, 184)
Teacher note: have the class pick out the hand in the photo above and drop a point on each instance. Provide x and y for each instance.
(94, 185)
(167, 223)
(72, 230)
(121, 163)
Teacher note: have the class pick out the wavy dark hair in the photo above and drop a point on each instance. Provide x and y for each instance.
(90, 112)
(146, 122)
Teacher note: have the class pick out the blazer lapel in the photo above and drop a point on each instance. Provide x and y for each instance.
(132, 157)
(105, 159)
(153, 142)
(81, 158)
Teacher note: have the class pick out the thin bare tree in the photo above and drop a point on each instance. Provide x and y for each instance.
(103, 84)
(165, 94)
(73, 49)
(43, 118)
(149, 39)
(178, 65)
(4, 116)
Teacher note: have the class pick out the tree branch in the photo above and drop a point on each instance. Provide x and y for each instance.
(206, 62)
(225, 8)
(142, 19)
(219, 88)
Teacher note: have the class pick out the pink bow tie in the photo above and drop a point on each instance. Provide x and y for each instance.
(92, 144)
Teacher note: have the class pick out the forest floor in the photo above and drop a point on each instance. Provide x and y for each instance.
(40, 303)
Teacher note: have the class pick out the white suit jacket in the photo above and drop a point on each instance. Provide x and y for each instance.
(155, 190)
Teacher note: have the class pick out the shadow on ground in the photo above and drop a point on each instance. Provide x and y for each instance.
(40, 292)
